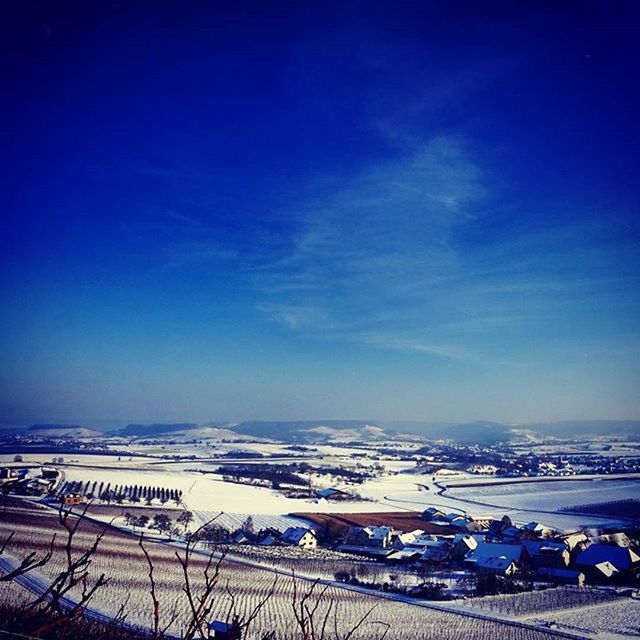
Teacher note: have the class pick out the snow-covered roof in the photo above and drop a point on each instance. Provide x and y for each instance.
(293, 535)
(536, 527)
(544, 547)
(466, 539)
(606, 568)
(327, 493)
(404, 554)
(494, 555)
(561, 574)
(376, 532)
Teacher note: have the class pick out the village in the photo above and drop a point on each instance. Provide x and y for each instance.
(504, 556)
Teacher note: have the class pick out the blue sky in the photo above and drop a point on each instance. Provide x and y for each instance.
(320, 210)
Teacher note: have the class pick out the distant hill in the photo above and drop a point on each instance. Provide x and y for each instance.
(155, 429)
(480, 432)
(570, 428)
(308, 431)
(312, 430)
(64, 430)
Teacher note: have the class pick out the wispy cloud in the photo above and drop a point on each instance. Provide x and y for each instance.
(384, 240)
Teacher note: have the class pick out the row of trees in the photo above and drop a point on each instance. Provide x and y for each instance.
(123, 493)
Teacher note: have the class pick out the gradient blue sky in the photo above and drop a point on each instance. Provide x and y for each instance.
(226, 211)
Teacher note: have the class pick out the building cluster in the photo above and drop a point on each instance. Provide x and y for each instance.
(500, 548)
(302, 537)
(29, 482)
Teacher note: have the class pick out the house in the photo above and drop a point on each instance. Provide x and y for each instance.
(299, 537)
(497, 528)
(408, 554)
(432, 514)
(561, 576)
(332, 494)
(501, 559)
(239, 537)
(219, 630)
(372, 536)
(414, 538)
(572, 539)
(6, 473)
(462, 544)
(622, 558)
(539, 530)
(269, 540)
(435, 552)
(547, 553)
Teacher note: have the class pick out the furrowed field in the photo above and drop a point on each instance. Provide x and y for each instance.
(122, 561)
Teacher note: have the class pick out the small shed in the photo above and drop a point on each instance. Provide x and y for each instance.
(219, 630)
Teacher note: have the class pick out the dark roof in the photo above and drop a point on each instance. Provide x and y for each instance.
(569, 575)
(622, 558)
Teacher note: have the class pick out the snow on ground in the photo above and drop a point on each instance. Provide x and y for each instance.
(234, 521)
(210, 493)
(82, 459)
(416, 492)
(617, 619)
(550, 495)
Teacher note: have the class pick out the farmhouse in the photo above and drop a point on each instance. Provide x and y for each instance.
(239, 537)
(299, 537)
(622, 558)
(432, 514)
(415, 538)
(219, 630)
(462, 545)
(547, 553)
(332, 493)
(372, 540)
(539, 530)
(501, 559)
(572, 539)
(371, 536)
(561, 576)
(435, 551)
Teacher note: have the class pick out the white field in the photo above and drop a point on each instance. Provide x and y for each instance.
(551, 495)
(81, 459)
(615, 620)
(416, 492)
(210, 493)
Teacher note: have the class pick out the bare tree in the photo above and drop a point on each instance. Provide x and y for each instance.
(29, 563)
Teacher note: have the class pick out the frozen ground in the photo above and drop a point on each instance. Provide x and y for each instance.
(416, 492)
(210, 493)
(82, 459)
(607, 621)
(550, 496)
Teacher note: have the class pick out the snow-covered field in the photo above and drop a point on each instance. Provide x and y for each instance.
(210, 493)
(609, 620)
(233, 521)
(82, 459)
(416, 492)
(550, 496)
